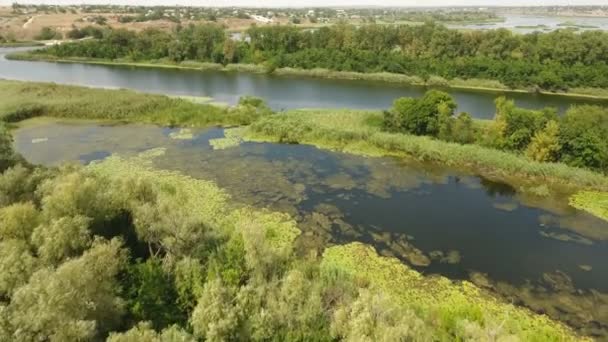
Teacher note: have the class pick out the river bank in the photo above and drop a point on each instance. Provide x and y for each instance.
(475, 85)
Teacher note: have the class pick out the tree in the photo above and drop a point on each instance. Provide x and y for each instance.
(515, 126)
(7, 155)
(375, 317)
(77, 301)
(143, 332)
(17, 221)
(420, 116)
(583, 132)
(16, 266)
(545, 145)
(62, 238)
(215, 318)
(151, 295)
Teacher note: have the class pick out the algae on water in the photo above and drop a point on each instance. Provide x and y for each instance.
(232, 138)
(593, 202)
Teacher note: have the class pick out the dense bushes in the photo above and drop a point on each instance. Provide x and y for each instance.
(577, 139)
(553, 61)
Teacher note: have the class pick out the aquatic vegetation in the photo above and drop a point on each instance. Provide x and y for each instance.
(593, 202)
(584, 225)
(508, 206)
(555, 295)
(447, 304)
(566, 237)
(451, 257)
(182, 134)
(232, 138)
(358, 132)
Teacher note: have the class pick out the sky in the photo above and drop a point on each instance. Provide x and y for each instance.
(313, 3)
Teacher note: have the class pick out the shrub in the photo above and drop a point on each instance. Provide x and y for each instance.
(583, 136)
(545, 144)
(420, 116)
(48, 33)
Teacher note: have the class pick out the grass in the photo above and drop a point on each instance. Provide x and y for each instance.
(23, 100)
(593, 202)
(360, 132)
(469, 84)
(20, 44)
(447, 305)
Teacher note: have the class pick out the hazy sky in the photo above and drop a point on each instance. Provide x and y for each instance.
(311, 3)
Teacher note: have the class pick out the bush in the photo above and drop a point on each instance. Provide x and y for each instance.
(583, 136)
(420, 116)
(48, 33)
(545, 144)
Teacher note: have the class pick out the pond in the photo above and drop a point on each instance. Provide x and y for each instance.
(281, 92)
(540, 253)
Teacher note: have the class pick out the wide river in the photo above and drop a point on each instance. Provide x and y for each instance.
(281, 92)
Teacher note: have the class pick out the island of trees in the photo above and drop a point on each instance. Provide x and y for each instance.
(557, 61)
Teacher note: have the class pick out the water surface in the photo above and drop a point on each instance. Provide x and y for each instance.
(281, 92)
(531, 23)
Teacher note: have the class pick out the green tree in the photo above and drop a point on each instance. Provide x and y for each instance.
(374, 317)
(62, 238)
(76, 301)
(420, 116)
(17, 221)
(151, 295)
(545, 145)
(583, 132)
(143, 332)
(16, 264)
(7, 155)
(215, 317)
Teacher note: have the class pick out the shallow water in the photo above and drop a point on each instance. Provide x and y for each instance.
(280, 92)
(525, 23)
(540, 253)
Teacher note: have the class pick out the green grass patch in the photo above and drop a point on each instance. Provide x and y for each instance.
(593, 202)
(359, 132)
(450, 307)
(23, 100)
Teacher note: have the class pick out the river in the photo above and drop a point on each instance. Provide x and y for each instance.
(537, 252)
(281, 92)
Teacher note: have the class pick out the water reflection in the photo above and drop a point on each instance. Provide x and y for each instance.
(435, 219)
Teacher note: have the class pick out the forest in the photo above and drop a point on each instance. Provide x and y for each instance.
(554, 61)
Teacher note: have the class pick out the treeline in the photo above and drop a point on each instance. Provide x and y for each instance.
(551, 61)
(577, 139)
